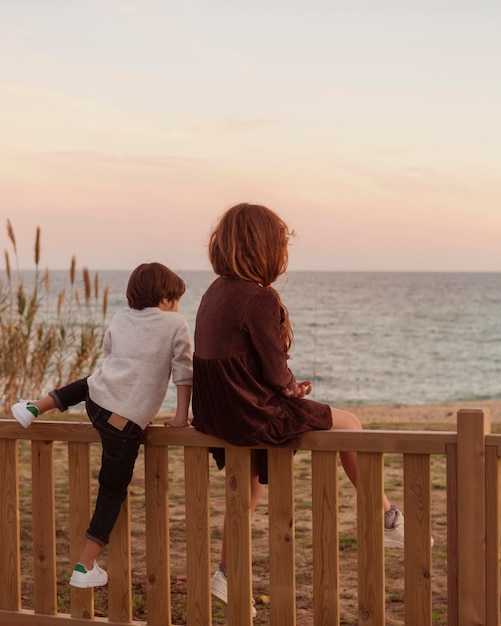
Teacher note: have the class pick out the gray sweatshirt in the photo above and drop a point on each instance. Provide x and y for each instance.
(142, 349)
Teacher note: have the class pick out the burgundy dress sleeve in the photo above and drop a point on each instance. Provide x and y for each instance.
(262, 320)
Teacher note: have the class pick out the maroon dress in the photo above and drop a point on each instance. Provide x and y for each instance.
(240, 368)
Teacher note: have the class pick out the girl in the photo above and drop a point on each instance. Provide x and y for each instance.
(243, 390)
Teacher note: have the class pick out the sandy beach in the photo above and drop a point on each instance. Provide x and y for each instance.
(427, 416)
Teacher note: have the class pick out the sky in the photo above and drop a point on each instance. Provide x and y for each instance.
(373, 129)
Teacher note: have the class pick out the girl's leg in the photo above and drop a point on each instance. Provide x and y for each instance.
(343, 420)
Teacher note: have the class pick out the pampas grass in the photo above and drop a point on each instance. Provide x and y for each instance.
(41, 352)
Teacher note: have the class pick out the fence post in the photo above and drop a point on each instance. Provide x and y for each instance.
(492, 530)
(156, 480)
(238, 534)
(120, 567)
(79, 485)
(325, 522)
(44, 527)
(282, 539)
(10, 572)
(370, 532)
(452, 534)
(196, 471)
(417, 554)
(472, 426)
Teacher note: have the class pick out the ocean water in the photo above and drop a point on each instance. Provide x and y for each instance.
(373, 337)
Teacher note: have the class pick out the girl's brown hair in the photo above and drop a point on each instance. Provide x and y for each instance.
(149, 283)
(250, 242)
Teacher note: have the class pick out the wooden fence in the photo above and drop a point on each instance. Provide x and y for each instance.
(473, 512)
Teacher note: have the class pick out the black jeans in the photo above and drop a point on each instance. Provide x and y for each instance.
(120, 450)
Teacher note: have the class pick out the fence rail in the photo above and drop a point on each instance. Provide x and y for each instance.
(473, 511)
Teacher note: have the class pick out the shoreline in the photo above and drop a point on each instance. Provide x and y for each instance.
(439, 413)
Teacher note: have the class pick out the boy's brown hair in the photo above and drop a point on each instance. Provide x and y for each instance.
(149, 283)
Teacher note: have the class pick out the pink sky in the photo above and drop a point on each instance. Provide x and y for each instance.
(128, 128)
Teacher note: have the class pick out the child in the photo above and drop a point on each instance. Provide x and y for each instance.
(143, 345)
(243, 390)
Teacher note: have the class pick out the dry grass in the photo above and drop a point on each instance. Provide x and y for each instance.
(46, 340)
(347, 539)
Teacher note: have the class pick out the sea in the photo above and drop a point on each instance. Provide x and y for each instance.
(374, 337)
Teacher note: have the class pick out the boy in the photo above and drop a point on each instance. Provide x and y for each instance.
(142, 347)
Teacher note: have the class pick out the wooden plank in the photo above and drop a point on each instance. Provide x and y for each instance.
(80, 498)
(196, 471)
(417, 549)
(156, 435)
(384, 441)
(10, 555)
(494, 441)
(44, 527)
(42, 430)
(156, 478)
(492, 539)
(282, 537)
(120, 567)
(30, 618)
(452, 537)
(371, 574)
(238, 536)
(325, 530)
(472, 426)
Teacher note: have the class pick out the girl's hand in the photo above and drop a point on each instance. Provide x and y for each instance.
(298, 389)
(177, 422)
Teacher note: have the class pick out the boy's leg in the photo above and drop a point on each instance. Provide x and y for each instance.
(25, 411)
(87, 572)
(120, 450)
(71, 394)
(90, 553)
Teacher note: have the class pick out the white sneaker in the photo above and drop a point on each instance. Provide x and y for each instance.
(83, 578)
(219, 589)
(219, 586)
(24, 412)
(394, 536)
